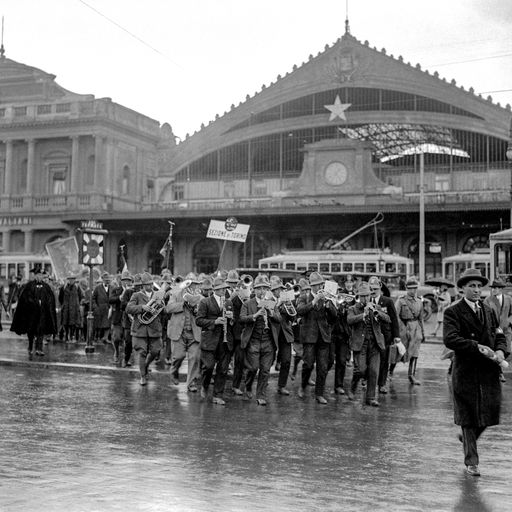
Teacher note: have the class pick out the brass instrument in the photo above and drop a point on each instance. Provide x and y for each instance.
(247, 280)
(155, 305)
(287, 303)
(225, 324)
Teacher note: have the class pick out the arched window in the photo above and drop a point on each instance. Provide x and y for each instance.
(255, 248)
(476, 242)
(125, 181)
(206, 256)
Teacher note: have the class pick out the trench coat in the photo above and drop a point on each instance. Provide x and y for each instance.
(475, 378)
(70, 298)
(100, 307)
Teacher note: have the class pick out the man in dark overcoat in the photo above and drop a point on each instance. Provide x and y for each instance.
(213, 316)
(470, 324)
(100, 307)
(35, 315)
(70, 298)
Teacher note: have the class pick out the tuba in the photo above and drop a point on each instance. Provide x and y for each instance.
(155, 305)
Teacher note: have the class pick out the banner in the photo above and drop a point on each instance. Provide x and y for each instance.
(232, 232)
(64, 256)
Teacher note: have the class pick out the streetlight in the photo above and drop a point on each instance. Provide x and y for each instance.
(509, 157)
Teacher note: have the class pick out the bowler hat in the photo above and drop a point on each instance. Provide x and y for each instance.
(315, 278)
(498, 283)
(219, 283)
(261, 282)
(471, 274)
(363, 289)
(146, 278)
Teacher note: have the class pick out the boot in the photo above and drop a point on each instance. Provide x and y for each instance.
(412, 371)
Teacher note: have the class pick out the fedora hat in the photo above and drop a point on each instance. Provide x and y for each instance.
(304, 284)
(363, 289)
(276, 283)
(219, 283)
(126, 276)
(261, 281)
(411, 283)
(191, 276)
(232, 277)
(315, 278)
(146, 278)
(137, 280)
(498, 283)
(471, 274)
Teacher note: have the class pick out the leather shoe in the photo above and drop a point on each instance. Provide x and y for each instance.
(373, 403)
(237, 391)
(143, 380)
(203, 392)
(383, 390)
(174, 380)
(218, 400)
(261, 401)
(321, 400)
(192, 388)
(502, 378)
(300, 392)
(339, 391)
(311, 382)
(414, 381)
(472, 470)
(283, 391)
(351, 396)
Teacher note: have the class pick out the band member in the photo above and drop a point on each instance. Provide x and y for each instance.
(302, 288)
(471, 330)
(206, 287)
(341, 341)
(258, 339)
(501, 303)
(367, 342)
(216, 340)
(130, 286)
(116, 291)
(391, 330)
(146, 326)
(184, 334)
(35, 314)
(409, 309)
(318, 315)
(283, 333)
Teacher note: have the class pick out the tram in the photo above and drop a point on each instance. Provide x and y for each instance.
(454, 266)
(501, 256)
(19, 264)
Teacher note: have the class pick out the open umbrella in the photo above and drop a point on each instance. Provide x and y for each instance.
(438, 281)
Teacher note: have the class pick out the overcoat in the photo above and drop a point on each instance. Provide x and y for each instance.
(211, 334)
(70, 298)
(316, 320)
(504, 315)
(176, 310)
(249, 308)
(100, 306)
(355, 319)
(138, 329)
(36, 313)
(475, 378)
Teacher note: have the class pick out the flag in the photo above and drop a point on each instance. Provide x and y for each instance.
(166, 250)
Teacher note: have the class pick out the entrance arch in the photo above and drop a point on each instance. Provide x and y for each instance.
(205, 256)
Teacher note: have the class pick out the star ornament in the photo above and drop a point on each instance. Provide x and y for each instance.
(337, 109)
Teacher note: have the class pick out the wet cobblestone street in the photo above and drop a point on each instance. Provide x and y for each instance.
(75, 441)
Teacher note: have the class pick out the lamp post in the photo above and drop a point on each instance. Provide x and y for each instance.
(509, 157)
(421, 245)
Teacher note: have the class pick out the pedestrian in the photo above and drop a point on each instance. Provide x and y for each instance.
(367, 342)
(391, 330)
(13, 294)
(129, 288)
(300, 289)
(443, 300)
(409, 309)
(318, 316)
(70, 299)
(258, 340)
(341, 340)
(35, 315)
(116, 318)
(216, 340)
(471, 327)
(146, 326)
(501, 303)
(183, 332)
(100, 308)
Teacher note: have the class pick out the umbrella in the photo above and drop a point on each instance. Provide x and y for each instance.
(438, 281)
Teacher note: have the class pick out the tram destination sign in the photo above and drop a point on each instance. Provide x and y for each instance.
(229, 230)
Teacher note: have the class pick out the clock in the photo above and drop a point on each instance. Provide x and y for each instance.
(335, 174)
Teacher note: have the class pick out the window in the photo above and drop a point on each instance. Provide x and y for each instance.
(313, 267)
(89, 175)
(289, 266)
(371, 267)
(359, 267)
(347, 267)
(178, 192)
(125, 182)
(335, 267)
(2, 112)
(44, 109)
(294, 243)
(324, 267)
(63, 107)
(20, 111)
(206, 256)
(150, 191)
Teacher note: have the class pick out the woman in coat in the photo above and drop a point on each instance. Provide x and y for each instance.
(470, 324)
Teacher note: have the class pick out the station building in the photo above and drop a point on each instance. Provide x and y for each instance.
(305, 161)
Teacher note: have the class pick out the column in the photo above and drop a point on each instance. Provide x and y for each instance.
(6, 241)
(31, 147)
(8, 167)
(29, 235)
(99, 164)
(109, 167)
(74, 185)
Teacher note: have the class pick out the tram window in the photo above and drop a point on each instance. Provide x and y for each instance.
(264, 265)
(22, 269)
(371, 267)
(402, 268)
(390, 268)
(274, 265)
(11, 269)
(324, 267)
(358, 267)
(482, 267)
(289, 266)
(3, 270)
(335, 267)
(313, 267)
(301, 267)
(347, 267)
(459, 268)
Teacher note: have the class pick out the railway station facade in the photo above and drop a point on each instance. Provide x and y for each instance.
(305, 161)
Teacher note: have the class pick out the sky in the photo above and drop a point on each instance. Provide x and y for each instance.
(183, 62)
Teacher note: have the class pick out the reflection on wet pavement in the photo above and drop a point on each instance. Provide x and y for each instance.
(77, 441)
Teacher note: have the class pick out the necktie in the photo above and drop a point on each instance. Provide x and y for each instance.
(479, 313)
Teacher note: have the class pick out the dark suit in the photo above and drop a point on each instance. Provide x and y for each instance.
(367, 348)
(214, 351)
(282, 330)
(238, 353)
(100, 307)
(315, 335)
(390, 331)
(475, 378)
(503, 314)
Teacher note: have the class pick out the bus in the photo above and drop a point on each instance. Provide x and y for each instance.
(19, 264)
(391, 267)
(501, 256)
(454, 266)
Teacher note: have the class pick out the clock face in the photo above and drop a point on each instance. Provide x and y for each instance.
(335, 174)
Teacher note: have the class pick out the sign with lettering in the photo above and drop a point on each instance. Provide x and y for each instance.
(64, 256)
(235, 233)
(15, 221)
